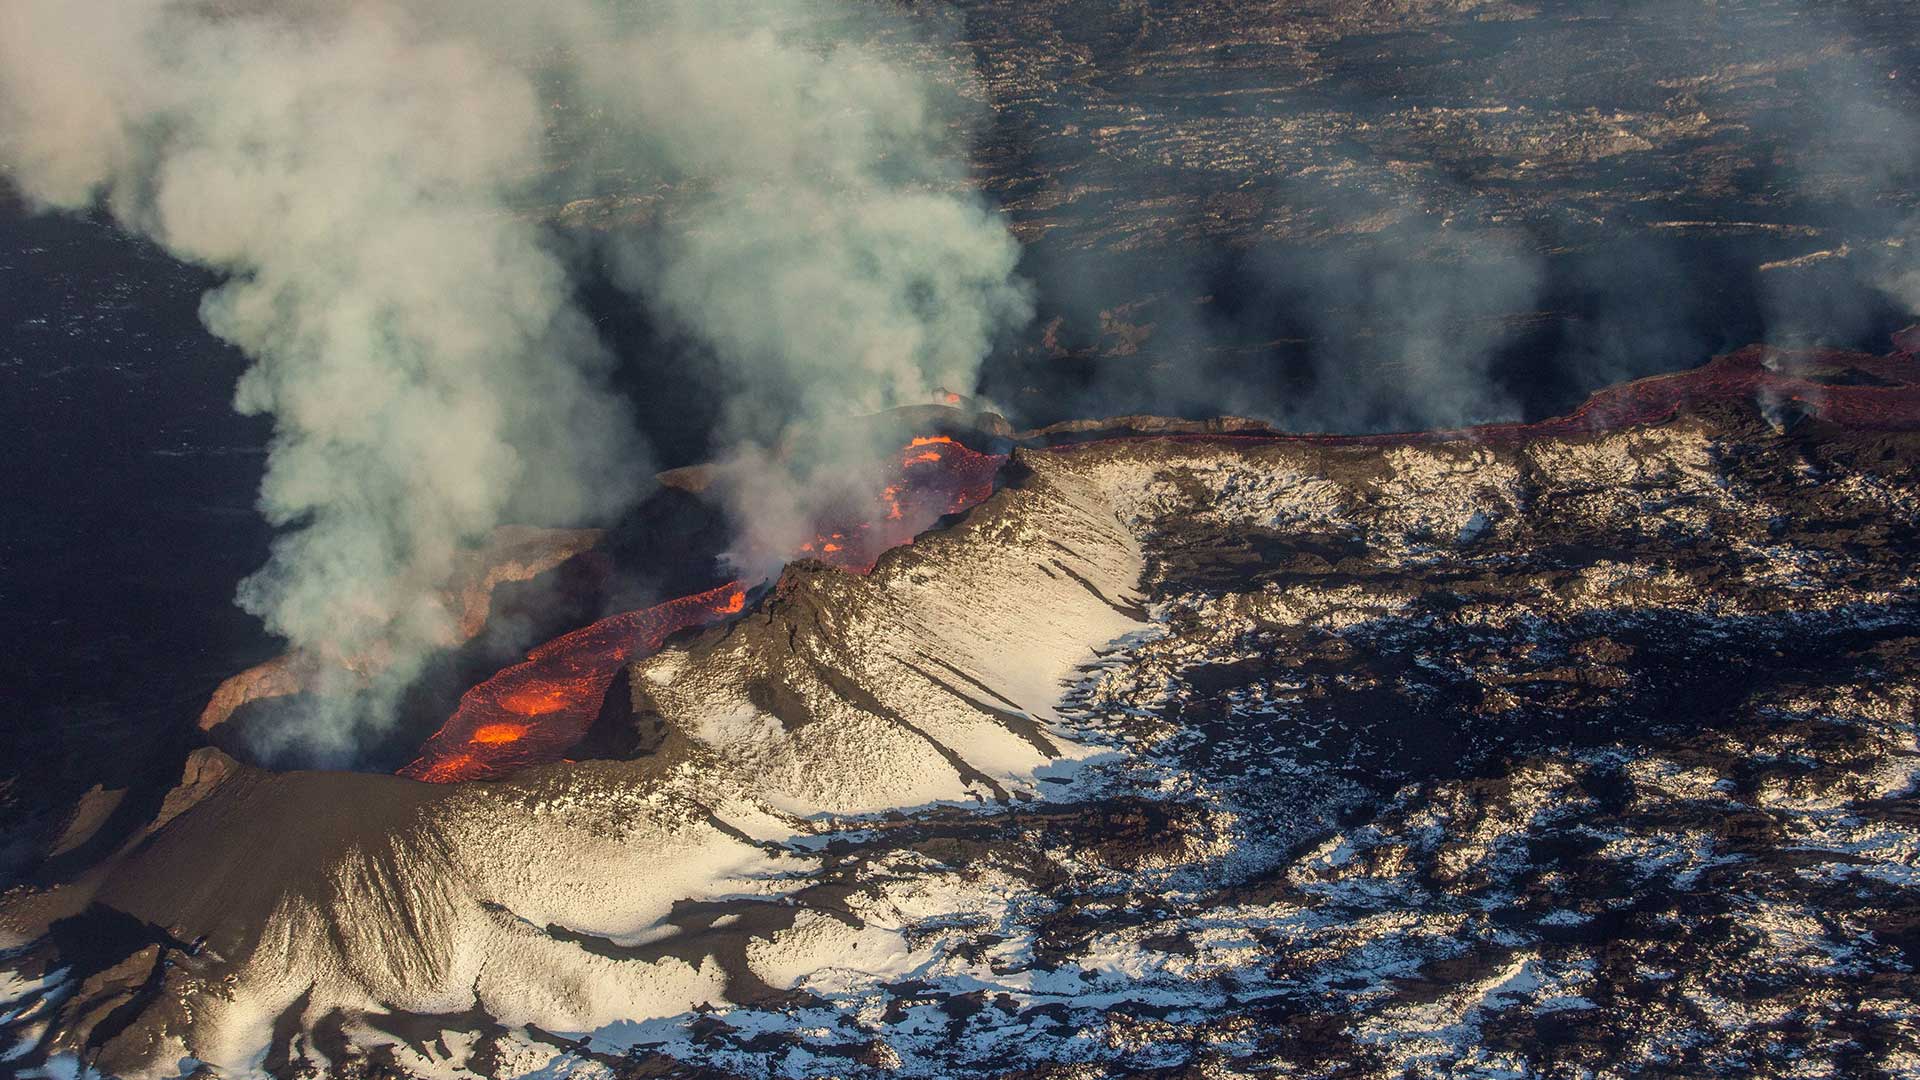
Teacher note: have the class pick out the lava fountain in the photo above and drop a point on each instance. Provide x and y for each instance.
(534, 711)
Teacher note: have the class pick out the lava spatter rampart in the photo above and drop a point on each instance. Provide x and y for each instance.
(534, 711)
(937, 476)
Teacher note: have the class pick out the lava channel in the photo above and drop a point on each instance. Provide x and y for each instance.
(534, 711)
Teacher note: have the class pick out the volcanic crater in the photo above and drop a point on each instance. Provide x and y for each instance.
(1178, 746)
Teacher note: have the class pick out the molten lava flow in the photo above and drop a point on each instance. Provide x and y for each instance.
(511, 553)
(938, 475)
(534, 711)
(924, 456)
(447, 769)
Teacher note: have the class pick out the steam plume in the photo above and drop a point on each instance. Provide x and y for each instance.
(834, 252)
(356, 169)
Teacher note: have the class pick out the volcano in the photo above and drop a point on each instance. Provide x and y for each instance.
(1498, 749)
(512, 553)
(1071, 745)
(535, 711)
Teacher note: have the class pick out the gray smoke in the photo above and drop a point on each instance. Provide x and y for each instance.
(350, 170)
(370, 177)
(821, 234)
(1590, 193)
(1414, 337)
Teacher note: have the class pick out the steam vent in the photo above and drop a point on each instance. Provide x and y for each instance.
(841, 540)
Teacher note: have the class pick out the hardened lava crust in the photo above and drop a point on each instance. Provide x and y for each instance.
(1587, 750)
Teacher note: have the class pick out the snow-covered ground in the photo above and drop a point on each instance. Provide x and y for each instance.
(1582, 757)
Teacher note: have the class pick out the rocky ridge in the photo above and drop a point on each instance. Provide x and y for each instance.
(1587, 754)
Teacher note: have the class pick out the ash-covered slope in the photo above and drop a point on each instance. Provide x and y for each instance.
(268, 910)
(1588, 751)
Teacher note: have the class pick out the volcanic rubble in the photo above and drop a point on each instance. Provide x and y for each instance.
(1583, 752)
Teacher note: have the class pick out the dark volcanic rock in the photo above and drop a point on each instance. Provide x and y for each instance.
(1576, 749)
(1571, 751)
(1374, 216)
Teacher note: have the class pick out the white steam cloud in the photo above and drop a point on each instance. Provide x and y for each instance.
(837, 249)
(361, 172)
(833, 251)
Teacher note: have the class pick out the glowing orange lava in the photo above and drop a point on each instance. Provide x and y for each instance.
(938, 475)
(534, 711)
(446, 770)
(539, 699)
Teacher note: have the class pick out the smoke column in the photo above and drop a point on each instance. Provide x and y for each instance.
(823, 236)
(362, 174)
